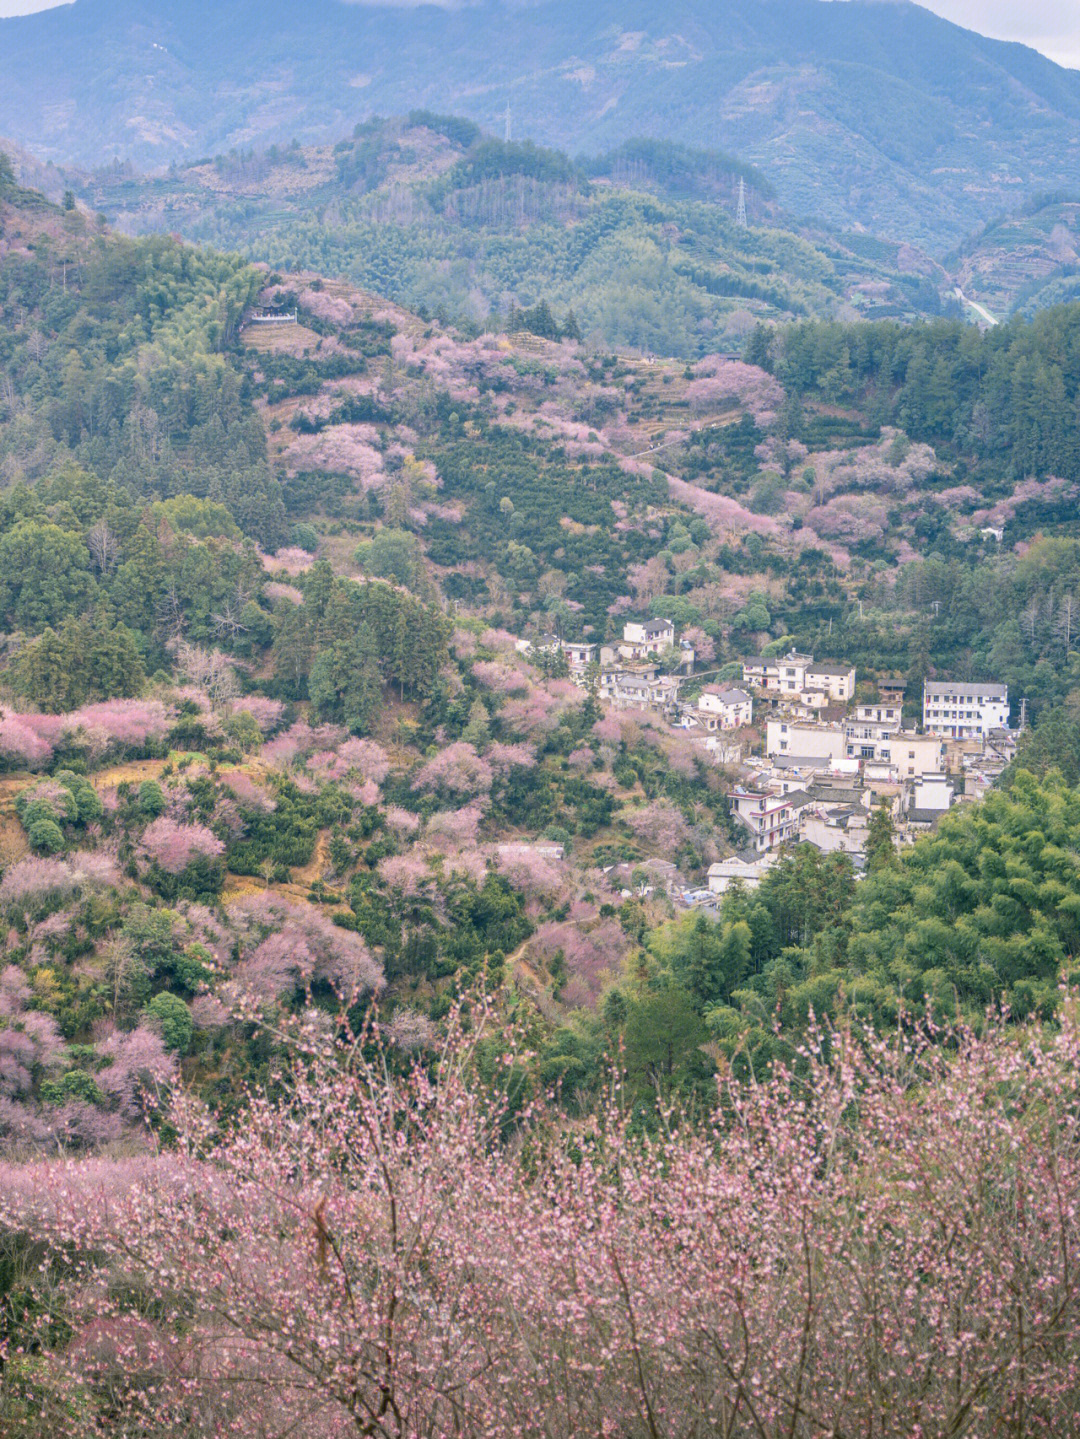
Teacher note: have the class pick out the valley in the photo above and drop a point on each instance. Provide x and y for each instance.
(539, 723)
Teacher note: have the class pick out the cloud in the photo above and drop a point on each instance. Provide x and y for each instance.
(9, 8)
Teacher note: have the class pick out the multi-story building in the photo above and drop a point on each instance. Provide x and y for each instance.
(786, 675)
(797, 674)
(652, 637)
(835, 681)
(908, 754)
(804, 741)
(770, 818)
(722, 707)
(868, 741)
(639, 691)
(882, 713)
(964, 711)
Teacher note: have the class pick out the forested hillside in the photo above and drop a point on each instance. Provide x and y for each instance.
(641, 243)
(1025, 261)
(882, 116)
(316, 878)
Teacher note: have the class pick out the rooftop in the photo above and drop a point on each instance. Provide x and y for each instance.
(958, 687)
(925, 816)
(728, 693)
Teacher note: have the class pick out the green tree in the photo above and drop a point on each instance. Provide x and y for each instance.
(44, 575)
(880, 839)
(171, 1017)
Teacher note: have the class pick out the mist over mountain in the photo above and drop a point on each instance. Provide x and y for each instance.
(881, 115)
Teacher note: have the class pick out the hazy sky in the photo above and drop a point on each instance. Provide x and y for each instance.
(1052, 26)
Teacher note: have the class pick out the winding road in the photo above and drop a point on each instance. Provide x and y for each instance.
(979, 309)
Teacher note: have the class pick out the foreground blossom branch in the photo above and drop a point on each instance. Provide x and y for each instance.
(884, 1243)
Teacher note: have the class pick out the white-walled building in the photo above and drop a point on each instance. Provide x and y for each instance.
(797, 674)
(886, 712)
(747, 868)
(964, 711)
(780, 676)
(580, 654)
(835, 829)
(626, 690)
(908, 754)
(835, 681)
(642, 639)
(770, 818)
(807, 741)
(928, 798)
(723, 707)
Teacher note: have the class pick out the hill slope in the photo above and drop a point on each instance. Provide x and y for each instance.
(878, 114)
(1026, 261)
(642, 243)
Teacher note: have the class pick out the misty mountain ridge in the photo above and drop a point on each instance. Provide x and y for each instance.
(876, 115)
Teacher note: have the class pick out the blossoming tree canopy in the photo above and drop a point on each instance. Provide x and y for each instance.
(368, 1253)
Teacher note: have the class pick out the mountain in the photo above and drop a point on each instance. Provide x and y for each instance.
(879, 115)
(1026, 261)
(642, 243)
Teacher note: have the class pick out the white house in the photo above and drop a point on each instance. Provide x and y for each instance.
(836, 681)
(807, 741)
(786, 675)
(835, 829)
(928, 798)
(725, 707)
(770, 818)
(964, 711)
(632, 691)
(652, 637)
(579, 653)
(747, 868)
(797, 674)
(885, 712)
(908, 754)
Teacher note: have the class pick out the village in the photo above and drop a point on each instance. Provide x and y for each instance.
(811, 750)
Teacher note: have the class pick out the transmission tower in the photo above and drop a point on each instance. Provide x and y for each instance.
(507, 136)
(740, 214)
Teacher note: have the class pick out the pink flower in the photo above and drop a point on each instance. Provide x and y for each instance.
(173, 847)
(458, 770)
(406, 873)
(456, 827)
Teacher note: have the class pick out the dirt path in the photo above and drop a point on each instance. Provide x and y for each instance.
(13, 844)
(720, 424)
(530, 983)
(295, 889)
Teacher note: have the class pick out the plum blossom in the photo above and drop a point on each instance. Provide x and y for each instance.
(286, 946)
(457, 769)
(173, 846)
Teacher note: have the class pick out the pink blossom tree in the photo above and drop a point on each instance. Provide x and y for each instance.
(884, 1243)
(173, 847)
(456, 770)
(287, 948)
(659, 825)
